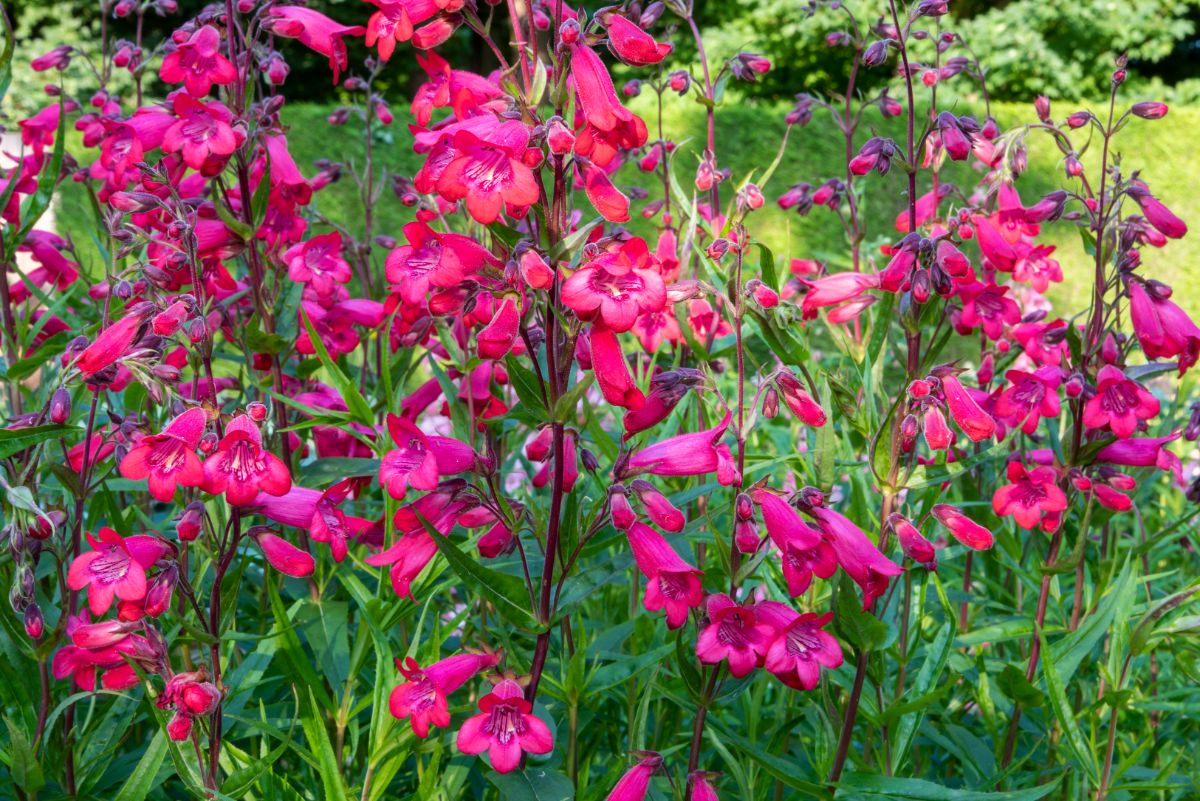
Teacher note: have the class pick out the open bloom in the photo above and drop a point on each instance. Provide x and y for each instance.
(671, 583)
(857, 555)
(116, 566)
(733, 634)
(800, 646)
(419, 460)
(169, 459)
(1163, 329)
(1029, 398)
(1029, 495)
(240, 467)
(315, 31)
(432, 259)
(689, 455)
(202, 134)
(489, 173)
(617, 286)
(801, 546)
(198, 63)
(318, 262)
(421, 697)
(506, 729)
(1120, 403)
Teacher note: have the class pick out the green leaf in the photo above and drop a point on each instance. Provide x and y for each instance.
(871, 786)
(330, 470)
(533, 784)
(6, 57)
(1020, 690)
(355, 402)
(857, 626)
(508, 593)
(23, 764)
(141, 781)
(243, 231)
(1078, 747)
(318, 740)
(526, 384)
(15, 440)
(36, 204)
(766, 266)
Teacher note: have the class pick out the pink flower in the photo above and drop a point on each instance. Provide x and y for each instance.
(240, 468)
(988, 306)
(803, 550)
(169, 459)
(318, 262)
(415, 548)
(111, 344)
(1029, 398)
(489, 172)
(1163, 329)
(689, 455)
(1120, 403)
(834, 289)
(431, 259)
(857, 555)
(1029, 495)
(329, 523)
(1144, 452)
(202, 134)
(198, 63)
(702, 788)
(964, 529)
(914, 546)
(609, 125)
(506, 729)
(285, 557)
(974, 421)
(1161, 217)
(661, 511)
(394, 21)
(633, 45)
(497, 337)
(635, 782)
(116, 566)
(422, 696)
(732, 633)
(671, 583)
(616, 287)
(799, 401)
(419, 460)
(315, 31)
(800, 646)
(602, 194)
(611, 370)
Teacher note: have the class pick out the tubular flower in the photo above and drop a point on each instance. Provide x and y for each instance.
(315, 31)
(116, 566)
(964, 529)
(393, 23)
(635, 782)
(1163, 329)
(974, 421)
(617, 286)
(111, 344)
(202, 134)
(800, 646)
(198, 63)
(422, 696)
(856, 554)
(671, 583)
(506, 729)
(1029, 495)
(609, 125)
(431, 259)
(1119, 404)
(733, 634)
(240, 467)
(914, 546)
(489, 173)
(1029, 398)
(419, 460)
(169, 459)
(611, 370)
(689, 455)
(803, 550)
(633, 45)
(318, 262)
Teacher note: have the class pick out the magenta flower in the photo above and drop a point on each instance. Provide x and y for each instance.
(610, 126)
(856, 554)
(689, 455)
(702, 787)
(169, 459)
(1144, 452)
(116, 566)
(800, 647)
(614, 292)
(1029, 495)
(318, 262)
(633, 45)
(611, 369)
(661, 511)
(733, 633)
(240, 467)
(964, 529)
(914, 546)
(285, 557)
(1161, 217)
(835, 289)
(393, 23)
(671, 583)
(507, 729)
(328, 522)
(973, 420)
(431, 259)
(988, 306)
(315, 31)
(803, 550)
(198, 63)
(1029, 398)
(489, 173)
(1120, 403)
(419, 460)
(1163, 329)
(801, 404)
(111, 344)
(422, 696)
(635, 782)
(202, 134)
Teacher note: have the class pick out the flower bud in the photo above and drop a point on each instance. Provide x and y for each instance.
(623, 516)
(1042, 106)
(770, 403)
(1149, 111)
(60, 406)
(877, 52)
(35, 624)
(257, 411)
(569, 32)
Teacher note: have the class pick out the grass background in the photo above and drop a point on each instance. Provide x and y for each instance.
(748, 137)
